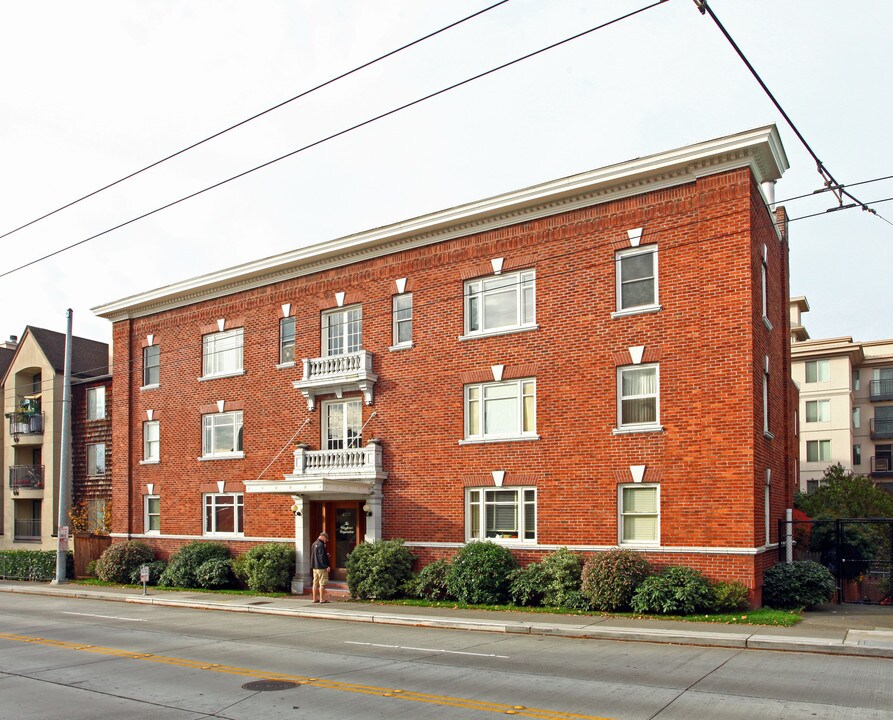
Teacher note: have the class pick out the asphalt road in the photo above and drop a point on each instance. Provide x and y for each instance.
(83, 659)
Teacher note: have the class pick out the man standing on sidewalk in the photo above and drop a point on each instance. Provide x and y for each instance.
(319, 561)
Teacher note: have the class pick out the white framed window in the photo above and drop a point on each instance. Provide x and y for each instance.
(286, 340)
(857, 454)
(222, 435)
(856, 383)
(766, 399)
(402, 320)
(500, 303)
(151, 365)
(639, 514)
(341, 424)
(96, 516)
(636, 278)
(818, 371)
(500, 410)
(151, 514)
(818, 411)
(224, 513)
(818, 451)
(222, 353)
(638, 396)
(96, 403)
(501, 514)
(857, 417)
(342, 331)
(151, 441)
(96, 459)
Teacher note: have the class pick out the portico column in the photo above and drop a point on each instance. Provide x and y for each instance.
(373, 522)
(302, 545)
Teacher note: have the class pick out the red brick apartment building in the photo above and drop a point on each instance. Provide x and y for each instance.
(593, 362)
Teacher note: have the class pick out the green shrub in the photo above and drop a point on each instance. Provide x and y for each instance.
(610, 578)
(675, 590)
(184, 564)
(730, 597)
(430, 583)
(479, 573)
(378, 570)
(118, 562)
(215, 573)
(562, 575)
(526, 585)
(33, 565)
(800, 584)
(266, 568)
(156, 568)
(91, 568)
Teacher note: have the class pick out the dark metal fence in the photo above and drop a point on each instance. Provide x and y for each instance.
(857, 551)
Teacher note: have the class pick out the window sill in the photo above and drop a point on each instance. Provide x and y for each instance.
(496, 333)
(642, 310)
(637, 429)
(223, 535)
(205, 378)
(223, 456)
(149, 462)
(285, 365)
(767, 323)
(509, 542)
(153, 386)
(634, 545)
(402, 346)
(485, 441)
(96, 419)
(768, 435)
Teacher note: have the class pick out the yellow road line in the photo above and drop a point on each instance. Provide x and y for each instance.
(446, 701)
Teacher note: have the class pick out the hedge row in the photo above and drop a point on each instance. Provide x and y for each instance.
(34, 565)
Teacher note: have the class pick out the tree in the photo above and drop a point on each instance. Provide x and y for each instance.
(843, 494)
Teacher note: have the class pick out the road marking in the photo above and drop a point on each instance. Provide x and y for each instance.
(107, 617)
(420, 649)
(370, 690)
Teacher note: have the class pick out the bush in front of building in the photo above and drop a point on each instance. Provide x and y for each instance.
(610, 578)
(33, 565)
(379, 570)
(156, 568)
(730, 596)
(430, 583)
(479, 573)
(182, 568)
(800, 584)
(675, 590)
(120, 560)
(562, 578)
(266, 568)
(526, 585)
(215, 573)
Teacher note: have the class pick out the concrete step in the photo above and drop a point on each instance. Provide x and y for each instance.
(335, 590)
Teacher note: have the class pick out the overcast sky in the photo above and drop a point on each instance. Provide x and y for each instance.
(94, 90)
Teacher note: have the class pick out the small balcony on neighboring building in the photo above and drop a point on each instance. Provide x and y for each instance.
(881, 466)
(26, 520)
(26, 530)
(335, 374)
(22, 424)
(25, 476)
(881, 429)
(881, 390)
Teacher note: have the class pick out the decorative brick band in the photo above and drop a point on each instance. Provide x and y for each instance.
(512, 479)
(228, 406)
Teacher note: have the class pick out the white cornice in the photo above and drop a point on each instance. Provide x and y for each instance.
(759, 149)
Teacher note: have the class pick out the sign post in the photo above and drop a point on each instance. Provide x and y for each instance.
(144, 577)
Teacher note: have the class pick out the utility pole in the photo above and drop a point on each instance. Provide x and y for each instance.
(65, 465)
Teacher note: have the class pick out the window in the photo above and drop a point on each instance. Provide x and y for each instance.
(500, 410)
(96, 403)
(151, 514)
(818, 371)
(403, 319)
(342, 422)
(151, 361)
(766, 399)
(501, 514)
(286, 340)
(855, 380)
(857, 454)
(222, 434)
(224, 513)
(500, 303)
(636, 278)
(818, 450)
(857, 417)
(151, 442)
(818, 411)
(639, 515)
(96, 459)
(342, 331)
(222, 352)
(639, 395)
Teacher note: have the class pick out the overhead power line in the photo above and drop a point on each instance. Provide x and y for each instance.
(256, 116)
(339, 133)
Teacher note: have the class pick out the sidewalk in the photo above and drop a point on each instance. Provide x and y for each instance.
(859, 630)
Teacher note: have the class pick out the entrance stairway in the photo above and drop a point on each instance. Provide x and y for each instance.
(335, 590)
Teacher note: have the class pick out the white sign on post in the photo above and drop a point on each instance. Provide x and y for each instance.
(144, 577)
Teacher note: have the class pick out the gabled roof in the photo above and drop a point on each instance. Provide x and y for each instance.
(89, 358)
(6, 356)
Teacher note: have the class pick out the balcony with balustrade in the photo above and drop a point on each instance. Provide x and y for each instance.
(25, 476)
(881, 466)
(881, 429)
(336, 374)
(881, 390)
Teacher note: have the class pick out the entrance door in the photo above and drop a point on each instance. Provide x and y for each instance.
(345, 523)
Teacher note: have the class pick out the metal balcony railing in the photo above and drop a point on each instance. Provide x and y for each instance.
(881, 466)
(25, 424)
(881, 429)
(26, 530)
(881, 390)
(25, 476)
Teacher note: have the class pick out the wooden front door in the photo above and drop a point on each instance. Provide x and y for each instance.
(344, 521)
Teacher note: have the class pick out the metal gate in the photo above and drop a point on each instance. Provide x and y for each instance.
(857, 551)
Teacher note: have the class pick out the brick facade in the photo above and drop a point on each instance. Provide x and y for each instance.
(708, 338)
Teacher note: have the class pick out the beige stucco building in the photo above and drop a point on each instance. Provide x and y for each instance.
(846, 403)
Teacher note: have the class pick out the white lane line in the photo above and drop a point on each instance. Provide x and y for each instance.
(107, 617)
(419, 649)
